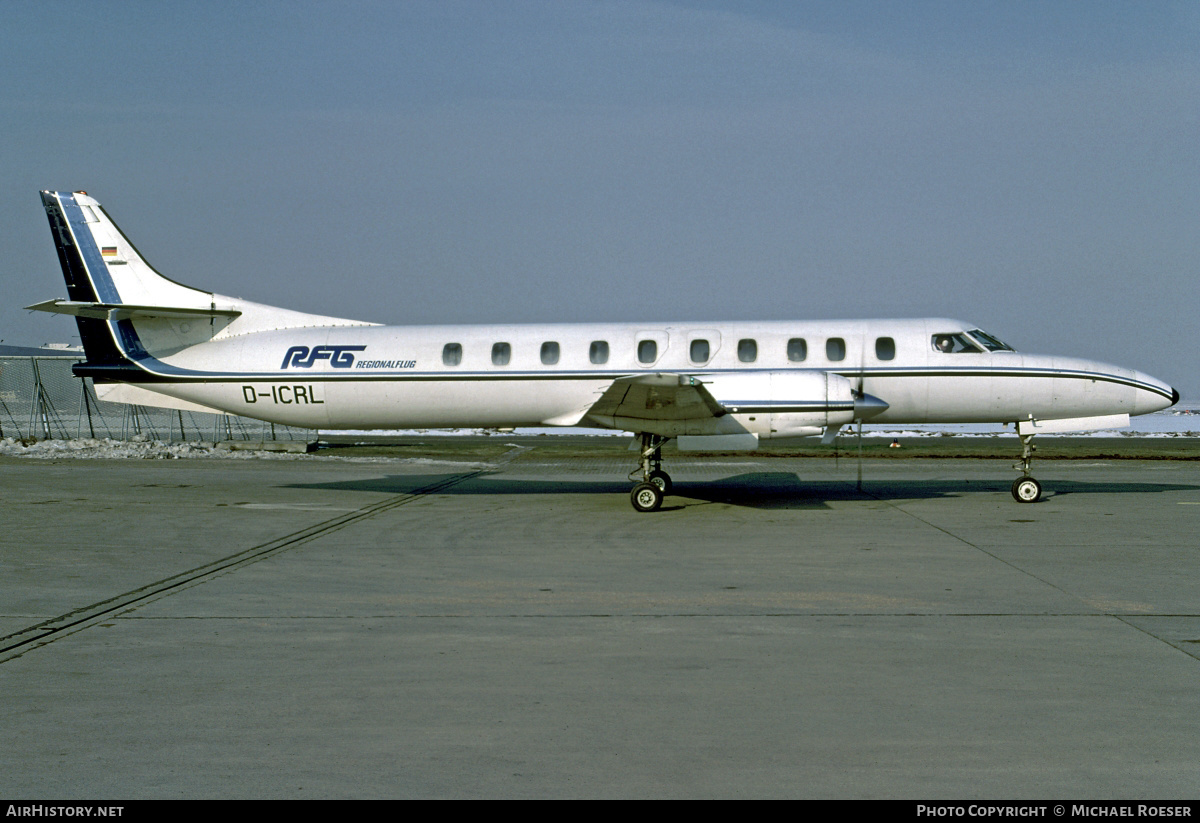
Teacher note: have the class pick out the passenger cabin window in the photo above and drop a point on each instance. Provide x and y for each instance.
(835, 349)
(598, 352)
(647, 351)
(797, 349)
(501, 354)
(549, 353)
(954, 343)
(452, 354)
(885, 348)
(698, 351)
(747, 350)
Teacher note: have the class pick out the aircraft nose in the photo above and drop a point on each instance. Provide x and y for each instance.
(1153, 395)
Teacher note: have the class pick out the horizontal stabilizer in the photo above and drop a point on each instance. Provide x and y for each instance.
(124, 311)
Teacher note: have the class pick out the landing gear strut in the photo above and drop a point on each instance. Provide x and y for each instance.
(647, 496)
(1025, 489)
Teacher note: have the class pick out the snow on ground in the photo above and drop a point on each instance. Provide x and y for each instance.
(90, 448)
(146, 449)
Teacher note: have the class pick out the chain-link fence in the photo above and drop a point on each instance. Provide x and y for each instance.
(40, 399)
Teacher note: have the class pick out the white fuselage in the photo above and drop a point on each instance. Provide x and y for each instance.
(361, 377)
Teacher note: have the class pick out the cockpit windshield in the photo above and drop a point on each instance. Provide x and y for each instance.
(955, 343)
(989, 342)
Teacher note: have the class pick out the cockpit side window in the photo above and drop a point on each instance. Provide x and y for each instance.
(989, 342)
(954, 343)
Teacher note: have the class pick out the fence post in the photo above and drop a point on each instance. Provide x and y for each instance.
(39, 408)
(87, 404)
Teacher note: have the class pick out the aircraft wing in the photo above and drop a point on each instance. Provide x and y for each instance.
(657, 398)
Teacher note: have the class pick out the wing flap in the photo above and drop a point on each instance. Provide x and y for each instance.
(657, 398)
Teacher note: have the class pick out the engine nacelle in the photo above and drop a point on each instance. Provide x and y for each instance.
(788, 403)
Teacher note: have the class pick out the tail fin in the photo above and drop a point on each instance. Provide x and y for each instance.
(129, 313)
(104, 265)
(108, 282)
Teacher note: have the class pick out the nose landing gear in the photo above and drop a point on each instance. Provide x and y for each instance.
(1025, 489)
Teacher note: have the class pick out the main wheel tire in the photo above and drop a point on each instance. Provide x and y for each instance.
(646, 497)
(1026, 490)
(661, 479)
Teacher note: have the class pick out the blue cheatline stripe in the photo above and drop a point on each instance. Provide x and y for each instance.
(151, 370)
(97, 269)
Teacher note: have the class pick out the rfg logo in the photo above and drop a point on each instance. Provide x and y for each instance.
(302, 357)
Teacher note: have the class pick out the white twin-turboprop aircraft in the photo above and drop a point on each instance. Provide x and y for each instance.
(151, 341)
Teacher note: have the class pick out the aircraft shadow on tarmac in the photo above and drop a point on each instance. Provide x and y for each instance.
(760, 490)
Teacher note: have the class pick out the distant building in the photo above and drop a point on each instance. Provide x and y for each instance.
(48, 350)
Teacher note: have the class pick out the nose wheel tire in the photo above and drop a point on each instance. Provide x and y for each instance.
(1026, 490)
(646, 497)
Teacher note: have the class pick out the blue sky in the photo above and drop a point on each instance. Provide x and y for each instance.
(1030, 167)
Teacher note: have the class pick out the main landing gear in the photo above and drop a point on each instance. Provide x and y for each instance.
(1025, 489)
(647, 495)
